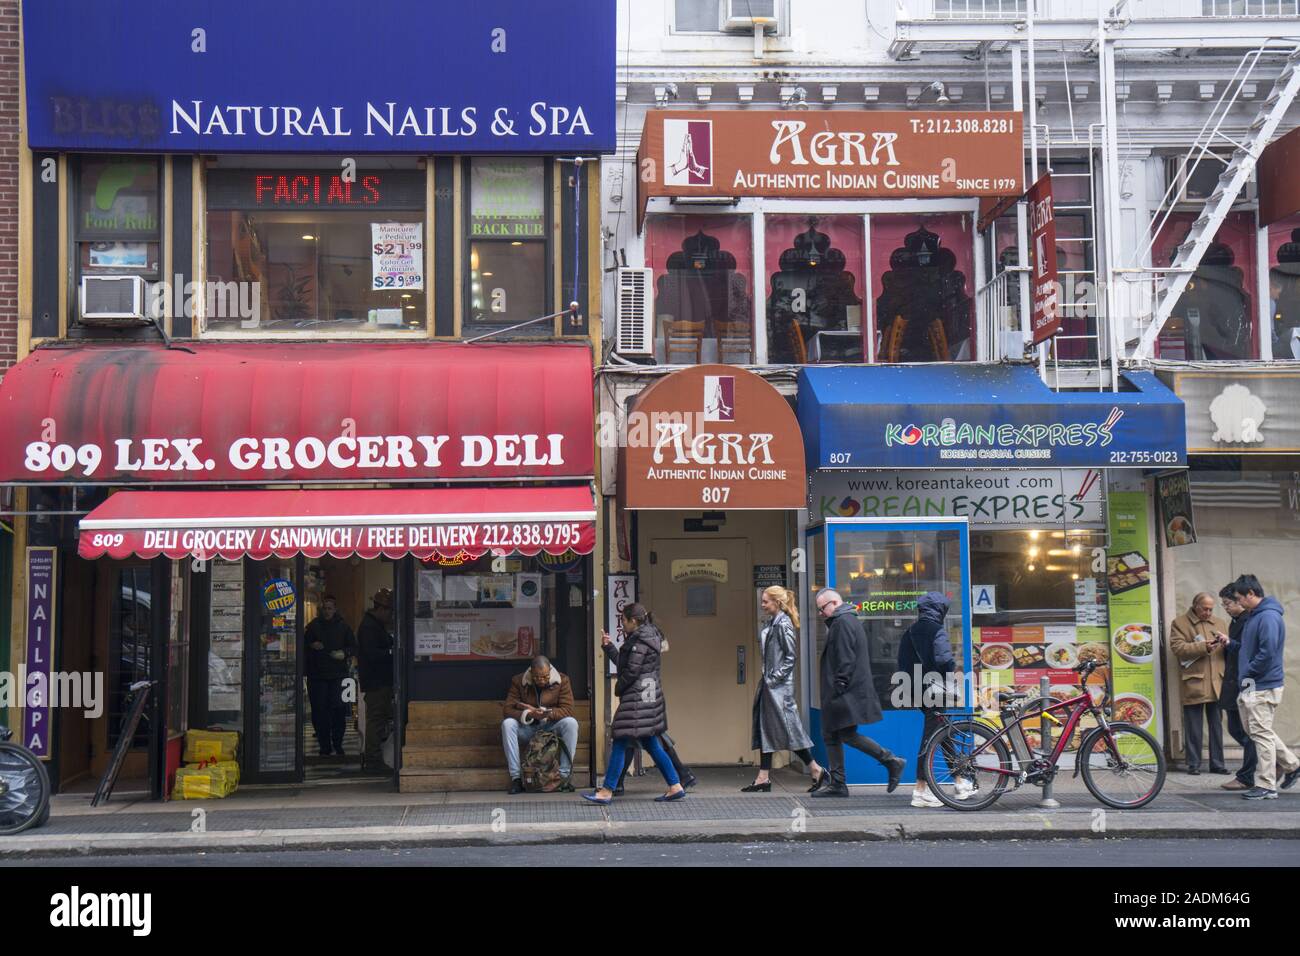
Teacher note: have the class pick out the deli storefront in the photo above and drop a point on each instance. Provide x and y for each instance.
(292, 472)
(315, 242)
(1030, 509)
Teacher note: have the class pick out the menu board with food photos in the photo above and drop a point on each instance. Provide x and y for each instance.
(1131, 634)
(473, 634)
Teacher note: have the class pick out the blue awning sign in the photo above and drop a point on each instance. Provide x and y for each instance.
(949, 416)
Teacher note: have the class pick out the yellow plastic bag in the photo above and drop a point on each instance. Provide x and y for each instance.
(201, 745)
(203, 783)
(231, 767)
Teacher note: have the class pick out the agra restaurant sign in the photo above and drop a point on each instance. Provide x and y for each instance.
(316, 76)
(712, 436)
(850, 154)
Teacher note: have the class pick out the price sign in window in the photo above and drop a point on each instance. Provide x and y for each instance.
(397, 255)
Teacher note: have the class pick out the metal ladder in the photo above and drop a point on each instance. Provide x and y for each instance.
(1234, 177)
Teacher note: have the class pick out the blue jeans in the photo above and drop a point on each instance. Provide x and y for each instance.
(513, 733)
(652, 746)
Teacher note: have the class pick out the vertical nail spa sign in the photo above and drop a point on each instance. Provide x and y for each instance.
(40, 650)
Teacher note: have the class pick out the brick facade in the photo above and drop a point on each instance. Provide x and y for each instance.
(8, 183)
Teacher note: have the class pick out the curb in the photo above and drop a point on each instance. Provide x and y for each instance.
(382, 838)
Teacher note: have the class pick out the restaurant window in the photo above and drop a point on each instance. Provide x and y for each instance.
(1214, 319)
(118, 229)
(508, 274)
(703, 282)
(922, 270)
(1284, 287)
(1049, 610)
(815, 288)
(710, 16)
(314, 251)
(474, 612)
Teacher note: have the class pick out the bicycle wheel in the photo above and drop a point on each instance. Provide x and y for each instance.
(24, 790)
(1126, 776)
(962, 763)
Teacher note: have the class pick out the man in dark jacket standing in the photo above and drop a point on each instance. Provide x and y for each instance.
(375, 665)
(1245, 777)
(329, 645)
(848, 695)
(1260, 666)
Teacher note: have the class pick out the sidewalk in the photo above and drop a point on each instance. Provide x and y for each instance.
(365, 814)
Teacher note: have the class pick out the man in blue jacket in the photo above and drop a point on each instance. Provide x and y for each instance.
(1260, 670)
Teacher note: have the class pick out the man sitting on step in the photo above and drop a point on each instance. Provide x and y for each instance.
(541, 698)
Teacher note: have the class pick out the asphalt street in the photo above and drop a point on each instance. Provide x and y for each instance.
(948, 853)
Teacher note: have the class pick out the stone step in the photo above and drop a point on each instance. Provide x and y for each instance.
(456, 780)
(462, 736)
(465, 757)
(434, 715)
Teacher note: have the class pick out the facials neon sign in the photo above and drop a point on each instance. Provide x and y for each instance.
(270, 190)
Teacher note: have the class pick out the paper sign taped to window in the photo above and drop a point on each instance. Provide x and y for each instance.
(397, 255)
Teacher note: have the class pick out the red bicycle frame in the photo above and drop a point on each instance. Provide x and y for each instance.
(1078, 706)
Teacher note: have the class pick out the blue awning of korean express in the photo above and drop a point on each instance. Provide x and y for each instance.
(984, 416)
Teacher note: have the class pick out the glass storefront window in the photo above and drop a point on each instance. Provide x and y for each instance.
(471, 612)
(130, 647)
(815, 288)
(1284, 287)
(178, 651)
(1215, 317)
(922, 271)
(507, 246)
(308, 251)
(277, 668)
(703, 288)
(225, 704)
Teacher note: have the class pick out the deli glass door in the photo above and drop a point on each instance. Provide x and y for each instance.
(273, 699)
(881, 567)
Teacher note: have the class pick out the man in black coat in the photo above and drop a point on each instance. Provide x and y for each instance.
(848, 695)
(329, 645)
(1244, 779)
(375, 667)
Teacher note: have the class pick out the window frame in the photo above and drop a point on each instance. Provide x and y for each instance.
(756, 209)
(468, 239)
(782, 9)
(75, 238)
(323, 163)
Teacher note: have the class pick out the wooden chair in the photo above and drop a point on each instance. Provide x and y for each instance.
(682, 338)
(735, 339)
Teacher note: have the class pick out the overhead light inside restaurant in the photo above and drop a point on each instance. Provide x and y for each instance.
(309, 237)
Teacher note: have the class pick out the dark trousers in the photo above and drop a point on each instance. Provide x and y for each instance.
(1192, 727)
(379, 711)
(329, 715)
(1249, 757)
(765, 760)
(836, 741)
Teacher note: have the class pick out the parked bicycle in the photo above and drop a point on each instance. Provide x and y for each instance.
(24, 787)
(969, 763)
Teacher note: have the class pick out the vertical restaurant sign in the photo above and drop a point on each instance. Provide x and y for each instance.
(38, 712)
(1176, 509)
(845, 154)
(620, 592)
(712, 436)
(1043, 281)
(397, 255)
(1132, 634)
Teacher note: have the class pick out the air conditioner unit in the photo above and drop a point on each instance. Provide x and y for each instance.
(1196, 185)
(113, 300)
(635, 331)
(744, 15)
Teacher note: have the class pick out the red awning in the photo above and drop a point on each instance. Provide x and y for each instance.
(298, 412)
(426, 523)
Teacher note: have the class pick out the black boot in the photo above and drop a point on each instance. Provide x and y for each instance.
(684, 774)
(834, 785)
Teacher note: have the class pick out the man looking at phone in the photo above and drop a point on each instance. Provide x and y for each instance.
(541, 698)
(1262, 642)
(1231, 644)
(1200, 657)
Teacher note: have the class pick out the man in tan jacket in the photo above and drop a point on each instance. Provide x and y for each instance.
(1201, 661)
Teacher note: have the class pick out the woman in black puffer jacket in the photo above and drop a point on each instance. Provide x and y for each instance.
(642, 714)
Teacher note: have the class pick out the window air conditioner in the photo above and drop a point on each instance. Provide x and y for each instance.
(1196, 185)
(113, 300)
(744, 15)
(635, 332)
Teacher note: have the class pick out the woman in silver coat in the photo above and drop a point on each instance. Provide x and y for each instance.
(776, 717)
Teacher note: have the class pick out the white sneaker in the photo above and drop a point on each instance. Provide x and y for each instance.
(926, 799)
(965, 789)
